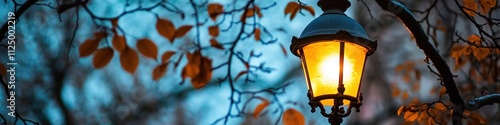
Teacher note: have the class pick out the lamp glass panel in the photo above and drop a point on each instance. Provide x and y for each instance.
(322, 62)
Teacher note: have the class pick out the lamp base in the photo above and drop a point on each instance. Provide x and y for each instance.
(338, 112)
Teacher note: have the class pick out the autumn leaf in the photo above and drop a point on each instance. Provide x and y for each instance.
(310, 9)
(213, 30)
(216, 44)
(259, 108)
(100, 35)
(240, 74)
(474, 39)
(88, 47)
(442, 91)
(102, 57)
(257, 10)
(293, 117)
(283, 49)
(3, 70)
(411, 116)
(159, 71)
(472, 5)
(214, 10)
(114, 22)
(292, 8)
(401, 110)
(182, 31)
(119, 43)
(166, 29)
(480, 53)
(198, 68)
(486, 5)
(405, 95)
(129, 60)
(257, 34)
(166, 56)
(147, 48)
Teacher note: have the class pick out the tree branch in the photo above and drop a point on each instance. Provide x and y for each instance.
(483, 101)
(423, 43)
(24, 7)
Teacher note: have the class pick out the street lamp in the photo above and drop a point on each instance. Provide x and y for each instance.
(333, 50)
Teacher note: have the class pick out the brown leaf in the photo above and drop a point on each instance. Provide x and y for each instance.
(216, 44)
(310, 9)
(159, 71)
(291, 7)
(166, 56)
(283, 49)
(102, 57)
(259, 108)
(147, 48)
(182, 31)
(240, 74)
(214, 10)
(100, 35)
(166, 29)
(88, 47)
(442, 91)
(3, 71)
(471, 4)
(114, 22)
(199, 69)
(257, 34)
(119, 43)
(129, 60)
(213, 30)
(293, 117)
(257, 10)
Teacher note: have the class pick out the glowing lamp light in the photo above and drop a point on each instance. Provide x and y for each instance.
(333, 50)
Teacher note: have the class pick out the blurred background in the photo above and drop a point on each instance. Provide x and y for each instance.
(54, 85)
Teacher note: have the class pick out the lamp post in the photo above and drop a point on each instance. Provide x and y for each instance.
(333, 50)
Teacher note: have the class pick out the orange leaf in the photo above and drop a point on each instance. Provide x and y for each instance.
(129, 60)
(257, 34)
(293, 117)
(480, 53)
(147, 48)
(100, 35)
(442, 91)
(88, 47)
(291, 7)
(283, 49)
(215, 10)
(182, 31)
(159, 71)
(411, 116)
(240, 74)
(405, 95)
(119, 43)
(166, 56)
(259, 108)
(215, 44)
(166, 29)
(474, 39)
(471, 4)
(400, 110)
(310, 9)
(213, 30)
(102, 57)
(257, 10)
(3, 71)
(486, 5)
